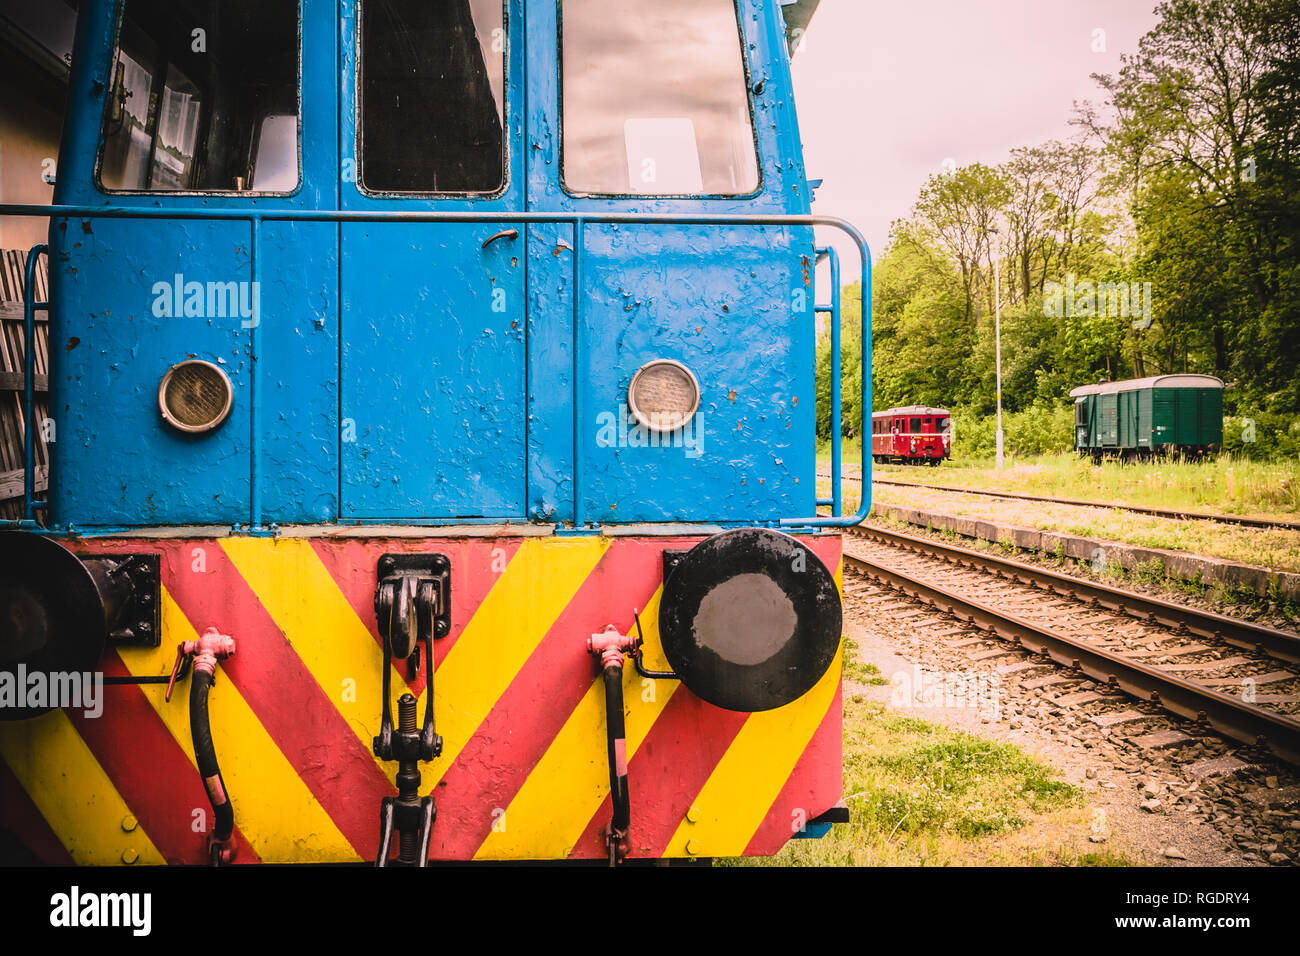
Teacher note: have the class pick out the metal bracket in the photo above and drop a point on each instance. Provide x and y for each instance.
(412, 608)
(414, 569)
(673, 557)
(134, 596)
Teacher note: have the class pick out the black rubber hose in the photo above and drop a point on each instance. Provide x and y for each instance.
(206, 756)
(617, 749)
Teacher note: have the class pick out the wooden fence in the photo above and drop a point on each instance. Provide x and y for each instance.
(13, 353)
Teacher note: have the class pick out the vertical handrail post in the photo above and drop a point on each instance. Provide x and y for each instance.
(579, 242)
(833, 310)
(837, 491)
(254, 323)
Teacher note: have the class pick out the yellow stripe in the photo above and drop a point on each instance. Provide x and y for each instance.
(274, 809)
(533, 591)
(567, 787)
(299, 593)
(749, 777)
(72, 791)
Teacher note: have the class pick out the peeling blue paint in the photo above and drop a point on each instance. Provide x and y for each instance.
(390, 385)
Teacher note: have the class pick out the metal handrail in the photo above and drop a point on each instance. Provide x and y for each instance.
(836, 500)
(255, 218)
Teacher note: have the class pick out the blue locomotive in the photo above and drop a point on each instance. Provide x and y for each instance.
(458, 350)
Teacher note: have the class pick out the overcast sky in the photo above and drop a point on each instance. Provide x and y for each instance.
(887, 91)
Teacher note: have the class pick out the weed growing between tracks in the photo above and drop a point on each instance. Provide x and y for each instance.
(920, 793)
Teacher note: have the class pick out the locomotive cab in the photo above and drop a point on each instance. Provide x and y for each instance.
(405, 346)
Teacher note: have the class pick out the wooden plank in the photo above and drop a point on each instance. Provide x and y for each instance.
(15, 382)
(13, 312)
(11, 483)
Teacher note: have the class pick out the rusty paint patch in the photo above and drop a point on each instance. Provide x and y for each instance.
(72, 343)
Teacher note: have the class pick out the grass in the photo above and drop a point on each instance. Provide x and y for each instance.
(920, 793)
(855, 669)
(1224, 485)
(1278, 549)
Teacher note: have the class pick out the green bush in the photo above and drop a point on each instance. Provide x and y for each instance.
(1275, 436)
(1040, 429)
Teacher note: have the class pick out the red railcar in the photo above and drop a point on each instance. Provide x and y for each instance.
(914, 434)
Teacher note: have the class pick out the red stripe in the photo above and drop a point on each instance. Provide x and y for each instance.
(676, 759)
(522, 724)
(815, 785)
(299, 715)
(476, 565)
(666, 774)
(150, 770)
(20, 817)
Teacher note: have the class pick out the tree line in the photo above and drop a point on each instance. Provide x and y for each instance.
(1163, 237)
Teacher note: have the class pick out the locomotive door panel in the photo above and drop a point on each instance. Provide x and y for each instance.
(650, 110)
(224, 124)
(432, 374)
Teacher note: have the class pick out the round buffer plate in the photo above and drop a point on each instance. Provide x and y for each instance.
(750, 619)
(51, 613)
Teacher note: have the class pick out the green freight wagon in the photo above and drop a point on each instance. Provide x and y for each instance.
(1179, 415)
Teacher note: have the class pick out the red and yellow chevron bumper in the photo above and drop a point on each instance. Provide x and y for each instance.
(519, 704)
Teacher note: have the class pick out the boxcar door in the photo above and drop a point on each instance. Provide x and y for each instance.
(432, 421)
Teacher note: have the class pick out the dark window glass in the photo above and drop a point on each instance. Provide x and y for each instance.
(192, 87)
(432, 96)
(655, 100)
(915, 426)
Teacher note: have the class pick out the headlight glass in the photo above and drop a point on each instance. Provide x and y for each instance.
(195, 396)
(664, 395)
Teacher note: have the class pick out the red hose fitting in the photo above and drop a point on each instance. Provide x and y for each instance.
(206, 651)
(610, 645)
(210, 648)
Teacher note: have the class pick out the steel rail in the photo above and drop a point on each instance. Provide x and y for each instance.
(1283, 645)
(1225, 714)
(1081, 503)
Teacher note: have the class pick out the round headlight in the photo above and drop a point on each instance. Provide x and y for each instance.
(195, 396)
(664, 395)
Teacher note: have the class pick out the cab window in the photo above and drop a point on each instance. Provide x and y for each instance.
(191, 93)
(431, 95)
(655, 99)
(915, 426)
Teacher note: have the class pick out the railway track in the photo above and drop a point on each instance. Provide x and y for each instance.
(1241, 680)
(1078, 502)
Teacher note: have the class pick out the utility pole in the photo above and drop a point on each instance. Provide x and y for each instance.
(997, 312)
